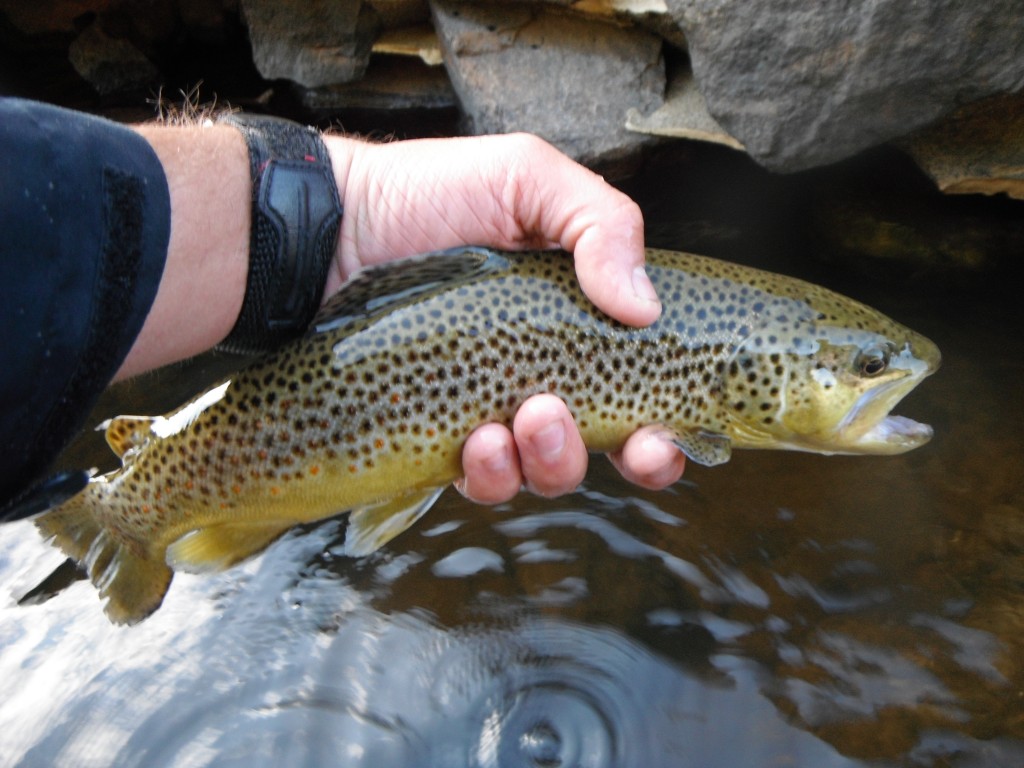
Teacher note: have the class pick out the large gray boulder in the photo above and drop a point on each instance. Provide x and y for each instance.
(569, 79)
(806, 83)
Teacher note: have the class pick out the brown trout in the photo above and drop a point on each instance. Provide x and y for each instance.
(367, 413)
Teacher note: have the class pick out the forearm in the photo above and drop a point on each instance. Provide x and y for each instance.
(204, 276)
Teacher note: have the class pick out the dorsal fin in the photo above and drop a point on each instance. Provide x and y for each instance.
(127, 433)
(375, 290)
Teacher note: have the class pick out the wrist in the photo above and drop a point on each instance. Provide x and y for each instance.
(345, 154)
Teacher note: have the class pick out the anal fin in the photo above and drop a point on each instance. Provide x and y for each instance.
(217, 547)
(133, 586)
(371, 527)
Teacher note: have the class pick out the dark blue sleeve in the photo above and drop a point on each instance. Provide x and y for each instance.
(84, 228)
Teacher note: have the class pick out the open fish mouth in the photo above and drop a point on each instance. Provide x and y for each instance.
(871, 427)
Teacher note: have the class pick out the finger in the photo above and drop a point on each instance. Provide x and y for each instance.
(491, 465)
(603, 228)
(551, 452)
(650, 459)
(610, 268)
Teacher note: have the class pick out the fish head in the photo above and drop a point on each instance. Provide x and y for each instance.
(828, 384)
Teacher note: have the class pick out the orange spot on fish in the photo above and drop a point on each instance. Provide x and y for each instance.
(263, 455)
(395, 398)
(236, 488)
(378, 443)
(274, 490)
(353, 468)
(314, 469)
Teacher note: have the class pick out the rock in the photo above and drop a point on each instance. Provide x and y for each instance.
(977, 150)
(803, 84)
(394, 14)
(202, 14)
(417, 40)
(392, 82)
(110, 65)
(58, 17)
(684, 115)
(650, 14)
(311, 42)
(568, 79)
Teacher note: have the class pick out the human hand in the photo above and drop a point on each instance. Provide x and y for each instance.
(512, 191)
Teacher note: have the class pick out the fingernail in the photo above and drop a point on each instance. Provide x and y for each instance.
(642, 285)
(549, 441)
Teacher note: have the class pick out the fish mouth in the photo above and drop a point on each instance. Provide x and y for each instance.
(871, 427)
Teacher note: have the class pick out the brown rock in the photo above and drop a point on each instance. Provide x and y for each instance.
(684, 115)
(978, 150)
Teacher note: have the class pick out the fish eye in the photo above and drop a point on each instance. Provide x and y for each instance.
(873, 361)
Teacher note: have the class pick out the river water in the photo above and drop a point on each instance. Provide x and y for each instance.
(780, 610)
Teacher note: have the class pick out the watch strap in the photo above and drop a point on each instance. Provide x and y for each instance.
(296, 214)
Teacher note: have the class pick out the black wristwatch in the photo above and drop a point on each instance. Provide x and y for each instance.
(296, 216)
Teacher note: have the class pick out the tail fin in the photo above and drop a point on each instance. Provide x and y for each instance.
(132, 584)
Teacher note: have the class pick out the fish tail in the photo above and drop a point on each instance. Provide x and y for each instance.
(132, 584)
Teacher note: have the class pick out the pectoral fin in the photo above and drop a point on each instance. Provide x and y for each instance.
(371, 527)
(704, 448)
(219, 546)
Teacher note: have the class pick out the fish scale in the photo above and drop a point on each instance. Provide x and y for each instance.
(368, 412)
